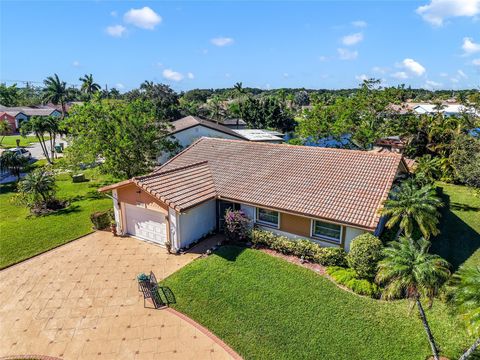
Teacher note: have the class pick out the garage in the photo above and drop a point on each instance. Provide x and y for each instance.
(146, 224)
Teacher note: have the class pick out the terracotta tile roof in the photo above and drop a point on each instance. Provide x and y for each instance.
(180, 187)
(346, 186)
(191, 121)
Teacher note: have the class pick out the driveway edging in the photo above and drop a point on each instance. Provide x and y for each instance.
(207, 332)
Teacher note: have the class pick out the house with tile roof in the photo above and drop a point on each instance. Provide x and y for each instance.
(328, 196)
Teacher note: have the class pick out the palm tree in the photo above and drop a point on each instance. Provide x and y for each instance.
(238, 87)
(39, 186)
(409, 271)
(5, 129)
(39, 127)
(466, 297)
(56, 92)
(13, 162)
(427, 168)
(215, 107)
(89, 86)
(409, 205)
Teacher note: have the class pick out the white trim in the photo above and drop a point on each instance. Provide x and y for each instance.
(323, 237)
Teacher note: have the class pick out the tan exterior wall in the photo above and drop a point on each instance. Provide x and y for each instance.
(133, 195)
(295, 224)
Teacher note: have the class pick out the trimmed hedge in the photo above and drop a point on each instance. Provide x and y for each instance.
(365, 253)
(306, 249)
(348, 277)
(101, 219)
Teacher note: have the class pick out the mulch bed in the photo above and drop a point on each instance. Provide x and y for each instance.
(322, 270)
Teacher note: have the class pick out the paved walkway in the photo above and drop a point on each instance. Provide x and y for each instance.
(81, 301)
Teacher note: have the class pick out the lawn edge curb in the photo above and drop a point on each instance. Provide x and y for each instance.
(206, 332)
(44, 253)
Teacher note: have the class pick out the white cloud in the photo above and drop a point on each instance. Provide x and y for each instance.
(454, 80)
(116, 30)
(413, 66)
(361, 77)
(430, 84)
(352, 39)
(443, 74)
(190, 75)
(286, 75)
(438, 10)
(144, 18)
(76, 63)
(469, 46)
(400, 75)
(476, 62)
(169, 74)
(379, 70)
(228, 75)
(222, 41)
(359, 23)
(322, 58)
(119, 86)
(345, 54)
(462, 74)
(113, 13)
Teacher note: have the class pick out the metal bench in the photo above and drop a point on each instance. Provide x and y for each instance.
(149, 290)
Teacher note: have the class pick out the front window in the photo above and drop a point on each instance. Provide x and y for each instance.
(327, 231)
(267, 217)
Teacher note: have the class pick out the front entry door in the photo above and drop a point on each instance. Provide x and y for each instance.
(223, 206)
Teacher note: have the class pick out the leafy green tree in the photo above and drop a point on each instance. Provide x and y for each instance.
(126, 136)
(89, 86)
(5, 129)
(410, 205)
(465, 160)
(215, 108)
(409, 271)
(466, 298)
(9, 95)
(56, 92)
(428, 169)
(37, 188)
(13, 162)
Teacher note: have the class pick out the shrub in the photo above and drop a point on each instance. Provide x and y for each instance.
(349, 278)
(327, 256)
(237, 225)
(101, 219)
(365, 253)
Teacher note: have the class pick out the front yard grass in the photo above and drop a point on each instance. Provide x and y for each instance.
(459, 239)
(10, 141)
(22, 236)
(267, 308)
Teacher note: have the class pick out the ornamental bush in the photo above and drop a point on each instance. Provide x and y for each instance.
(101, 219)
(348, 278)
(308, 250)
(237, 225)
(365, 253)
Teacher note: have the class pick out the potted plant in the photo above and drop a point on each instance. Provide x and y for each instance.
(168, 245)
(113, 227)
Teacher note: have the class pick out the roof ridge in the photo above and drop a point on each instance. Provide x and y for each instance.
(177, 155)
(157, 173)
(305, 147)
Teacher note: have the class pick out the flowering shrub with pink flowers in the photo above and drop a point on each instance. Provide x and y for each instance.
(237, 225)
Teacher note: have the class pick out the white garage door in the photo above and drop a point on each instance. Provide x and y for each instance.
(146, 224)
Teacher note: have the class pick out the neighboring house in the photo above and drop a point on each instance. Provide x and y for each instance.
(260, 135)
(24, 113)
(390, 143)
(234, 123)
(329, 196)
(10, 118)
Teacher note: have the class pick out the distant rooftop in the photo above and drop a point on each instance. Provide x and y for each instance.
(258, 135)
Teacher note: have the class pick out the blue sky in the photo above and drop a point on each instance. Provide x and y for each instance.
(314, 44)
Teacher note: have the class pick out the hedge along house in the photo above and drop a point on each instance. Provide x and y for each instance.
(328, 196)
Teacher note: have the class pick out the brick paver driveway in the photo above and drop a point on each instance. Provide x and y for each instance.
(81, 301)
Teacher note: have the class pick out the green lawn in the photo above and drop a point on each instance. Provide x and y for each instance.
(9, 141)
(459, 240)
(22, 235)
(267, 308)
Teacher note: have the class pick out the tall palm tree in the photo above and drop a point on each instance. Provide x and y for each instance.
(409, 271)
(215, 107)
(409, 205)
(5, 129)
(89, 86)
(238, 87)
(466, 297)
(56, 92)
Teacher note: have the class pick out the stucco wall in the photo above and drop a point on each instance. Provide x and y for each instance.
(350, 234)
(197, 222)
(132, 195)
